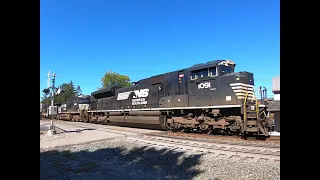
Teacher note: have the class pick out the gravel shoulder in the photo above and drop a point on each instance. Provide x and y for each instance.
(122, 159)
(81, 154)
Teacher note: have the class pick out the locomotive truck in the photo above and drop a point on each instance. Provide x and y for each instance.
(209, 97)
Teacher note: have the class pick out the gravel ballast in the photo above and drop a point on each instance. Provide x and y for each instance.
(123, 159)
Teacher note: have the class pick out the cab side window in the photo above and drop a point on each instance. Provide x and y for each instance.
(203, 73)
(212, 71)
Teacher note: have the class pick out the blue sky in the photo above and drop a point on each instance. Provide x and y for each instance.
(81, 40)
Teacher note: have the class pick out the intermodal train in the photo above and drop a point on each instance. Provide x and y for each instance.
(209, 97)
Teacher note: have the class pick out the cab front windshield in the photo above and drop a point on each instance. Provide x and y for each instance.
(226, 69)
(83, 100)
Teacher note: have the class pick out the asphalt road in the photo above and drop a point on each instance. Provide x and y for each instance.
(44, 127)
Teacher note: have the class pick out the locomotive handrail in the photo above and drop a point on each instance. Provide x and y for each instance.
(257, 108)
(245, 112)
(245, 107)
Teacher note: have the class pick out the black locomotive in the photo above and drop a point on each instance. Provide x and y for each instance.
(209, 97)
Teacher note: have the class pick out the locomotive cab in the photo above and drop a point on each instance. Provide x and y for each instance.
(226, 67)
(77, 104)
(83, 102)
(219, 81)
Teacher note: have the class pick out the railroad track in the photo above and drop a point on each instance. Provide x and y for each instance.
(177, 135)
(220, 141)
(193, 135)
(273, 139)
(268, 153)
(221, 148)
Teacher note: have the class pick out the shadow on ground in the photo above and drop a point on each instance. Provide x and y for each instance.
(59, 130)
(118, 163)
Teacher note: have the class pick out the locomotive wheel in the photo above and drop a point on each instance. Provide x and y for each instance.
(86, 119)
(163, 123)
(205, 129)
(244, 135)
(186, 130)
(177, 127)
(263, 138)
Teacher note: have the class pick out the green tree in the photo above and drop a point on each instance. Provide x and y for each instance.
(46, 98)
(79, 91)
(68, 92)
(111, 79)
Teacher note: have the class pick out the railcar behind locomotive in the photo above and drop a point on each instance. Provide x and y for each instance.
(72, 110)
(209, 97)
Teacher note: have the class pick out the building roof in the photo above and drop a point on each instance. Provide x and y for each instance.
(273, 106)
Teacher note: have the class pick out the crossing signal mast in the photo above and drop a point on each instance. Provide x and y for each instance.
(52, 111)
(53, 87)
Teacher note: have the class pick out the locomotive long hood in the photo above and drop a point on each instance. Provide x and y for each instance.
(105, 92)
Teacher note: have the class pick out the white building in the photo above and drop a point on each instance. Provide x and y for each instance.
(276, 88)
(275, 105)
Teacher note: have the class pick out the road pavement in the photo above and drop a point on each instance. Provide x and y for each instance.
(71, 134)
(44, 127)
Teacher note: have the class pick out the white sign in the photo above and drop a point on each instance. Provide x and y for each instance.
(141, 93)
(139, 101)
(204, 85)
(53, 110)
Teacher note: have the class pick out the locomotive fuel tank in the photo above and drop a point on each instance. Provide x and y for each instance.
(149, 122)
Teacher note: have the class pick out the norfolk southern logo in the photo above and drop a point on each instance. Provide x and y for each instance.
(141, 93)
(138, 98)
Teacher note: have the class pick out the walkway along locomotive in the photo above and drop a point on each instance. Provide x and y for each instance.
(209, 97)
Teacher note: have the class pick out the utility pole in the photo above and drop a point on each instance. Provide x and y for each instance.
(53, 88)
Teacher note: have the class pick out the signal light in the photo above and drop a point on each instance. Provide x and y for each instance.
(46, 91)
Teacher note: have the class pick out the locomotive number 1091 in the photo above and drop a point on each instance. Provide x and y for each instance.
(204, 85)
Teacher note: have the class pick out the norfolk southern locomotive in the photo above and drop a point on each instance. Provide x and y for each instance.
(208, 98)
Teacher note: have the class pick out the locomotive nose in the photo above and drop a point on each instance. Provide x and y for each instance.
(244, 77)
(243, 85)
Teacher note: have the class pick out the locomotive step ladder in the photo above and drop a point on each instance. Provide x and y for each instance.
(251, 120)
